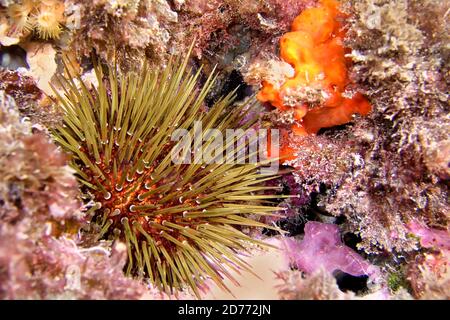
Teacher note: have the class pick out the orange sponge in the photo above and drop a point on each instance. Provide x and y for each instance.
(315, 50)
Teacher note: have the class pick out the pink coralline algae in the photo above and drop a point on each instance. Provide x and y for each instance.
(430, 237)
(322, 247)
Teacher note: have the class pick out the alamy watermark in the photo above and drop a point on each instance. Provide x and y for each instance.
(234, 146)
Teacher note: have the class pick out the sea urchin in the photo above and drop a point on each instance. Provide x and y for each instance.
(182, 223)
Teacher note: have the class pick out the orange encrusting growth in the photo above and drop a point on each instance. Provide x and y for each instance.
(315, 50)
(44, 17)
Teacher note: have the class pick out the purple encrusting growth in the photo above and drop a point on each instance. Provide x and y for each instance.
(430, 237)
(322, 247)
(383, 178)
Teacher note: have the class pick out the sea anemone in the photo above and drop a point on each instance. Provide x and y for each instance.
(20, 15)
(181, 223)
(45, 17)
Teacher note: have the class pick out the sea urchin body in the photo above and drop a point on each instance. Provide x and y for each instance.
(182, 223)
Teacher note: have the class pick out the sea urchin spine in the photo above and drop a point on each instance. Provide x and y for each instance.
(181, 223)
